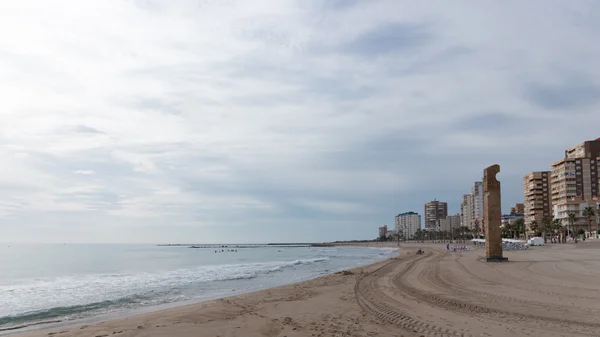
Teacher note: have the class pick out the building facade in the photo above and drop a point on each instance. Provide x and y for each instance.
(562, 211)
(536, 192)
(587, 149)
(572, 184)
(450, 223)
(575, 179)
(407, 224)
(434, 212)
(575, 182)
(477, 201)
(518, 209)
(383, 231)
(510, 219)
(466, 211)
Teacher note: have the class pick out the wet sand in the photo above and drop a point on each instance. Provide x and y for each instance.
(547, 291)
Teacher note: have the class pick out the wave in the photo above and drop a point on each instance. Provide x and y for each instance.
(97, 293)
(51, 315)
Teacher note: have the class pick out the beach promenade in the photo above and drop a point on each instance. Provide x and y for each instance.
(546, 291)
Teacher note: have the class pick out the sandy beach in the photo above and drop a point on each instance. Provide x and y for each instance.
(547, 291)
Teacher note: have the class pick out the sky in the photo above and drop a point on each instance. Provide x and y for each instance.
(197, 121)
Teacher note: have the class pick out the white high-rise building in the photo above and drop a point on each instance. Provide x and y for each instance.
(466, 211)
(407, 224)
(477, 202)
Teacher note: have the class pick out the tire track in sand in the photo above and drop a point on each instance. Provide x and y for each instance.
(373, 301)
(527, 320)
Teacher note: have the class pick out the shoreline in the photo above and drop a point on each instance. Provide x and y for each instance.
(56, 326)
(547, 291)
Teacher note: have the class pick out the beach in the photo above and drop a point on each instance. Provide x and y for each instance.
(63, 284)
(546, 291)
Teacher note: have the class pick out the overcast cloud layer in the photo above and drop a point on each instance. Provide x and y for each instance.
(261, 121)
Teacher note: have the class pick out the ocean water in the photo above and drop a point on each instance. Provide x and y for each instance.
(51, 283)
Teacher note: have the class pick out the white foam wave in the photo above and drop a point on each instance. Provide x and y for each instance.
(70, 291)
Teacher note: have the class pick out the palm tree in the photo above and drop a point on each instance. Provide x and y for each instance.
(572, 218)
(589, 212)
(546, 226)
(476, 230)
(463, 230)
(534, 227)
(506, 230)
(419, 235)
(557, 227)
(519, 227)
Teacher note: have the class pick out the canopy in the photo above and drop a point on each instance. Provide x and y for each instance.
(503, 240)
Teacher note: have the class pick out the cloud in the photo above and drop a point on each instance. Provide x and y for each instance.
(566, 93)
(390, 38)
(87, 129)
(333, 5)
(337, 207)
(84, 172)
(277, 120)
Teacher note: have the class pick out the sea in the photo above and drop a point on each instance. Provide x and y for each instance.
(44, 284)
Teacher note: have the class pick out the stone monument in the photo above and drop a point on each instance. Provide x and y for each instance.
(492, 213)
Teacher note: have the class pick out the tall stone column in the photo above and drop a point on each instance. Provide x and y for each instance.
(492, 212)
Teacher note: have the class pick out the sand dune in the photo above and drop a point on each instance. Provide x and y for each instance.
(547, 291)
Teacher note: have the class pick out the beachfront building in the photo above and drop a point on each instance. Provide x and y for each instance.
(510, 219)
(517, 209)
(575, 180)
(391, 235)
(471, 206)
(466, 213)
(383, 231)
(477, 200)
(587, 149)
(562, 211)
(536, 192)
(434, 212)
(450, 223)
(576, 176)
(407, 224)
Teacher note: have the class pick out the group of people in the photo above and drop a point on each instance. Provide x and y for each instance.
(229, 250)
(514, 246)
(457, 248)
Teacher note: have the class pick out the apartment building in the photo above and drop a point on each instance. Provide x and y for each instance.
(517, 209)
(434, 212)
(562, 211)
(383, 231)
(536, 191)
(450, 223)
(587, 149)
(576, 177)
(408, 223)
(466, 213)
(477, 202)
